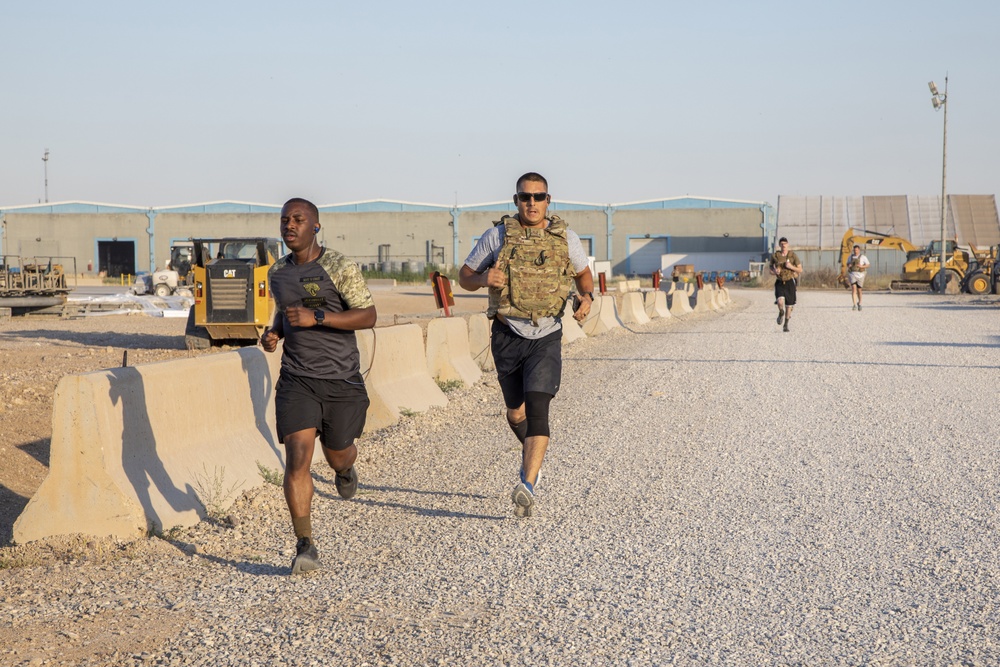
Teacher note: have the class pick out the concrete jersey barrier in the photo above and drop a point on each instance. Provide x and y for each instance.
(155, 446)
(656, 304)
(480, 328)
(679, 304)
(448, 353)
(633, 311)
(571, 329)
(395, 367)
(603, 316)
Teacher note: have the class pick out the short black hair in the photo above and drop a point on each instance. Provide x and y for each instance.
(531, 176)
(308, 204)
(856, 246)
(782, 240)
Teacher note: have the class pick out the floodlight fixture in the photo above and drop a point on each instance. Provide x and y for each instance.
(933, 87)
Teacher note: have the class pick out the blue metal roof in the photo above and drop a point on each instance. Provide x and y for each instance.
(74, 207)
(379, 205)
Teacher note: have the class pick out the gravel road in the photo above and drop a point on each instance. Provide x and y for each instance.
(716, 492)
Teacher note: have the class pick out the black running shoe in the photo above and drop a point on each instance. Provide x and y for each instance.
(786, 325)
(306, 557)
(781, 317)
(347, 483)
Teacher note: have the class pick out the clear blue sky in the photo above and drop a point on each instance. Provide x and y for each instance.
(178, 102)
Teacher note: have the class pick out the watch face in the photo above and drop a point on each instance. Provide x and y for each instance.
(320, 315)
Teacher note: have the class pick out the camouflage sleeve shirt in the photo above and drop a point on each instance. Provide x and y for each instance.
(332, 283)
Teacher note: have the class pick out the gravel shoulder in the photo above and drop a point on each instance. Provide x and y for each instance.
(716, 492)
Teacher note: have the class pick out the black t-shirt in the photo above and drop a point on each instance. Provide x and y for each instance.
(332, 283)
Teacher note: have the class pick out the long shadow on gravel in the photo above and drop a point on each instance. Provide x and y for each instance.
(908, 343)
(421, 511)
(12, 505)
(398, 489)
(136, 341)
(772, 362)
(258, 569)
(427, 511)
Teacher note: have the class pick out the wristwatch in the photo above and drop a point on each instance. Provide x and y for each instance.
(320, 316)
(590, 294)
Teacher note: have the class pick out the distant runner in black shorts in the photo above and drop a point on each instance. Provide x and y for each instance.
(786, 268)
(321, 301)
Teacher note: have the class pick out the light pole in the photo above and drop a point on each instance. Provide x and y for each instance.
(45, 159)
(940, 100)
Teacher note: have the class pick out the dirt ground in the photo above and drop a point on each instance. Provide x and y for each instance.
(37, 351)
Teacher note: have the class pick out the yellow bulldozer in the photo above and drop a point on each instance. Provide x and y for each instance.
(974, 271)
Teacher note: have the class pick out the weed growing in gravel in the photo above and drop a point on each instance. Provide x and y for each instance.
(212, 492)
(270, 475)
(406, 412)
(16, 560)
(448, 386)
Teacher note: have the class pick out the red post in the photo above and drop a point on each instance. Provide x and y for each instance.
(602, 284)
(656, 280)
(700, 279)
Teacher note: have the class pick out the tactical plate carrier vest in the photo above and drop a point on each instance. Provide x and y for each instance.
(538, 269)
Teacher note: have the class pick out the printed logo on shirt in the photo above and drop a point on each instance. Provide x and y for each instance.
(312, 288)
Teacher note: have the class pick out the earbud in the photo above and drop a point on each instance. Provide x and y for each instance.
(316, 228)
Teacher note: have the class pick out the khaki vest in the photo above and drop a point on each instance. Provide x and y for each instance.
(538, 269)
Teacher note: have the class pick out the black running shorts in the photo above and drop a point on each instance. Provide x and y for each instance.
(785, 288)
(335, 408)
(525, 364)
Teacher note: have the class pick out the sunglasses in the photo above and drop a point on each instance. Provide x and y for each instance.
(528, 196)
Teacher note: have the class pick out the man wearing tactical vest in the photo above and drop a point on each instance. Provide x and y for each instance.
(528, 261)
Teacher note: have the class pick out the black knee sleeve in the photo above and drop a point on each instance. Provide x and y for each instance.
(536, 406)
(520, 429)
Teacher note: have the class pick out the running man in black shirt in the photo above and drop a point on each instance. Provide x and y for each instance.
(321, 300)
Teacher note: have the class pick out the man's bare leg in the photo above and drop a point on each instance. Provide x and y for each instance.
(298, 487)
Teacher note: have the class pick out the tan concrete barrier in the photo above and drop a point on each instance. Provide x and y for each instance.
(448, 353)
(724, 298)
(603, 316)
(633, 311)
(480, 327)
(394, 363)
(571, 330)
(155, 446)
(622, 286)
(633, 285)
(656, 304)
(679, 304)
(703, 301)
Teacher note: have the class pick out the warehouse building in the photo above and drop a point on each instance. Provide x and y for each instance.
(637, 238)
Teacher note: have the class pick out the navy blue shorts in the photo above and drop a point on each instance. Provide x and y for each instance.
(525, 364)
(335, 408)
